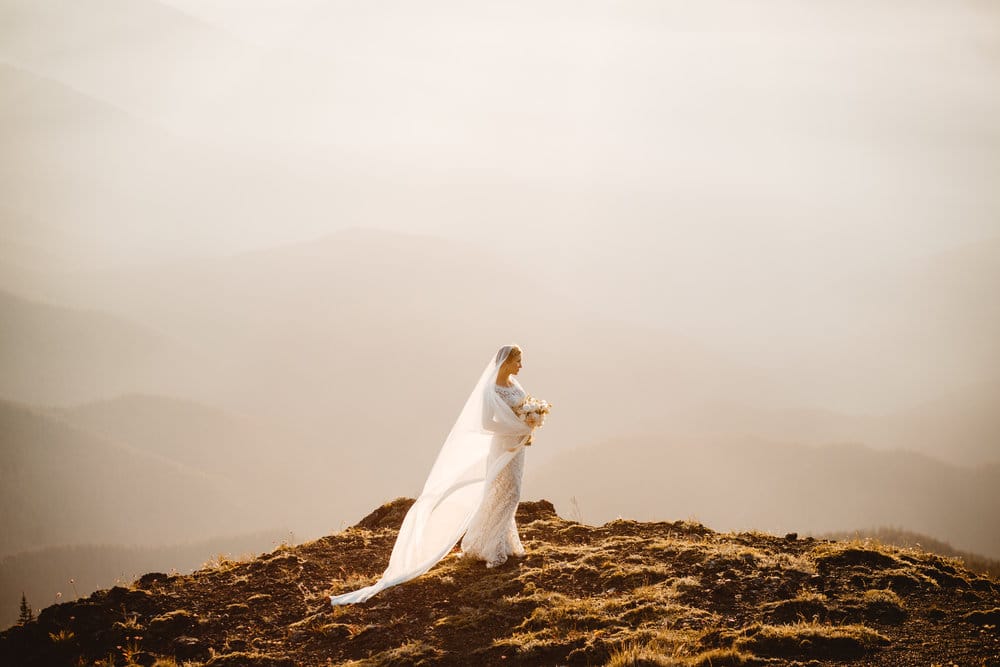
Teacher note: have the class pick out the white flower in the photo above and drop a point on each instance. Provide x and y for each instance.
(532, 411)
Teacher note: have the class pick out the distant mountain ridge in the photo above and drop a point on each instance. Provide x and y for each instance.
(65, 485)
(321, 340)
(53, 354)
(959, 427)
(754, 483)
(334, 322)
(240, 447)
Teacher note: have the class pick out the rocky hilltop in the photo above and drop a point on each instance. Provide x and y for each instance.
(625, 593)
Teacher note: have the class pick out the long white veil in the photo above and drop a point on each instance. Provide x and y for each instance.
(455, 486)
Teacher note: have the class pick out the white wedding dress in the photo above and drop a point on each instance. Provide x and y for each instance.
(492, 534)
(474, 486)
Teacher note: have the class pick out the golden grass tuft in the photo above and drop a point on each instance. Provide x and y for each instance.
(885, 596)
(657, 655)
(806, 606)
(413, 652)
(811, 640)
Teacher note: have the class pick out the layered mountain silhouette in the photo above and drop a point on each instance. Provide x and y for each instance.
(56, 355)
(103, 491)
(321, 340)
(284, 316)
(64, 485)
(754, 484)
(250, 454)
(148, 470)
(961, 426)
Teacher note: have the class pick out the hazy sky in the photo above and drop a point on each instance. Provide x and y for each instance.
(777, 219)
(775, 131)
(693, 165)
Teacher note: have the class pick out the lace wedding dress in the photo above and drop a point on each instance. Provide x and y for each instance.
(492, 534)
(473, 488)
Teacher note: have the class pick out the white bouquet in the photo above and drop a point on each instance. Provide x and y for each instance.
(533, 411)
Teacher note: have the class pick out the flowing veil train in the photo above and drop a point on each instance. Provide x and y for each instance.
(455, 486)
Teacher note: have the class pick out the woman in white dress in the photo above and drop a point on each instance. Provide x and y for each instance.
(492, 533)
(474, 486)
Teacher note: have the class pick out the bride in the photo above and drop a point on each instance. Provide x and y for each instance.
(475, 483)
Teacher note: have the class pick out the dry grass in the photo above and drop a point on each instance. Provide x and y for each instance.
(350, 582)
(806, 606)
(855, 553)
(413, 652)
(882, 596)
(659, 654)
(810, 640)
(883, 605)
(625, 593)
(225, 562)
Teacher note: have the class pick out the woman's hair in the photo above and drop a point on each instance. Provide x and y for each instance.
(506, 351)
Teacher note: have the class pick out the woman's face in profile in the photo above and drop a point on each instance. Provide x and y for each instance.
(514, 363)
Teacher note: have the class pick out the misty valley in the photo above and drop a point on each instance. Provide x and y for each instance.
(141, 417)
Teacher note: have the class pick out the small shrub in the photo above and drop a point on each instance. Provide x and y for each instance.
(62, 637)
(883, 605)
(882, 595)
(722, 658)
(172, 623)
(651, 656)
(129, 622)
(684, 585)
(805, 607)
(847, 555)
(352, 582)
(243, 659)
(639, 656)
(906, 579)
(811, 640)
(414, 652)
(131, 649)
(983, 617)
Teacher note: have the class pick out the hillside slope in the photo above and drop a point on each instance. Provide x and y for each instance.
(51, 354)
(265, 464)
(45, 575)
(64, 485)
(622, 593)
